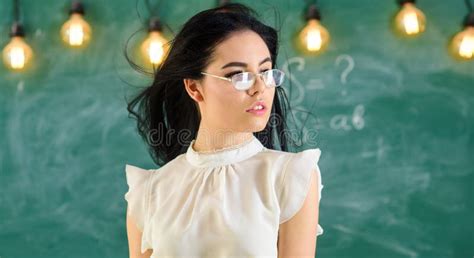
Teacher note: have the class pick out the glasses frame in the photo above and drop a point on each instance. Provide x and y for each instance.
(255, 74)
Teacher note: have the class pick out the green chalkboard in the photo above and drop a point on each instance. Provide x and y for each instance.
(394, 120)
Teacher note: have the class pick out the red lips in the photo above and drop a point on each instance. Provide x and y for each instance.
(257, 104)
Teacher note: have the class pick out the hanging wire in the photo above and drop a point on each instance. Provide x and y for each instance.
(469, 5)
(310, 2)
(151, 14)
(16, 10)
(152, 9)
(142, 19)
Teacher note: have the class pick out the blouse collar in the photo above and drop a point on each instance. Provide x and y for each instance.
(224, 156)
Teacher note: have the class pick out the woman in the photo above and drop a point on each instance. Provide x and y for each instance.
(220, 191)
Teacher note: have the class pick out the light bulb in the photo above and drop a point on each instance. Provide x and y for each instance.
(76, 32)
(154, 47)
(17, 53)
(462, 44)
(409, 21)
(314, 36)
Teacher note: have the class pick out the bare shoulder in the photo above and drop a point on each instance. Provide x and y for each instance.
(134, 236)
(297, 236)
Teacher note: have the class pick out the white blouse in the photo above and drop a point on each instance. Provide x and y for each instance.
(228, 202)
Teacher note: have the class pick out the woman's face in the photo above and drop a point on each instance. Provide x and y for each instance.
(222, 106)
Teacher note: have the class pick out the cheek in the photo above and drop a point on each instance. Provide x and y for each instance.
(223, 99)
(226, 106)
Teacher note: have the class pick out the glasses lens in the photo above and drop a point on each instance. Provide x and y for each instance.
(273, 77)
(243, 81)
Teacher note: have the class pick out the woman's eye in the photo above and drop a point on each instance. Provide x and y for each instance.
(232, 74)
(237, 72)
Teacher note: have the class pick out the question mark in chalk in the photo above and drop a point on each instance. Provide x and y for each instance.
(349, 68)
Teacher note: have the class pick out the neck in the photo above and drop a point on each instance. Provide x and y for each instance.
(212, 139)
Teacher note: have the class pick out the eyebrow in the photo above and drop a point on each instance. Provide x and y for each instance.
(245, 64)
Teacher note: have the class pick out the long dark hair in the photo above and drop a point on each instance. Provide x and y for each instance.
(167, 117)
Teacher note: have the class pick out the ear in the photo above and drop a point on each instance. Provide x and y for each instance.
(194, 89)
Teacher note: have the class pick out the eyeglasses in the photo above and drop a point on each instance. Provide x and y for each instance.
(245, 80)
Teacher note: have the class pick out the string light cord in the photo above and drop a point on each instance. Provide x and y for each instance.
(469, 5)
(152, 9)
(469, 19)
(312, 11)
(310, 2)
(16, 11)
(17, 28)
(153, 13)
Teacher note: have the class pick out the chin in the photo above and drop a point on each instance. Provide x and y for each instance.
(257, 126)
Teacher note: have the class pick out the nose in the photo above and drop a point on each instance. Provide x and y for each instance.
(258, 85)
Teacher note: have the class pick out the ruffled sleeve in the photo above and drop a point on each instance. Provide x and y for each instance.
(295, 183)
(137, 198)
